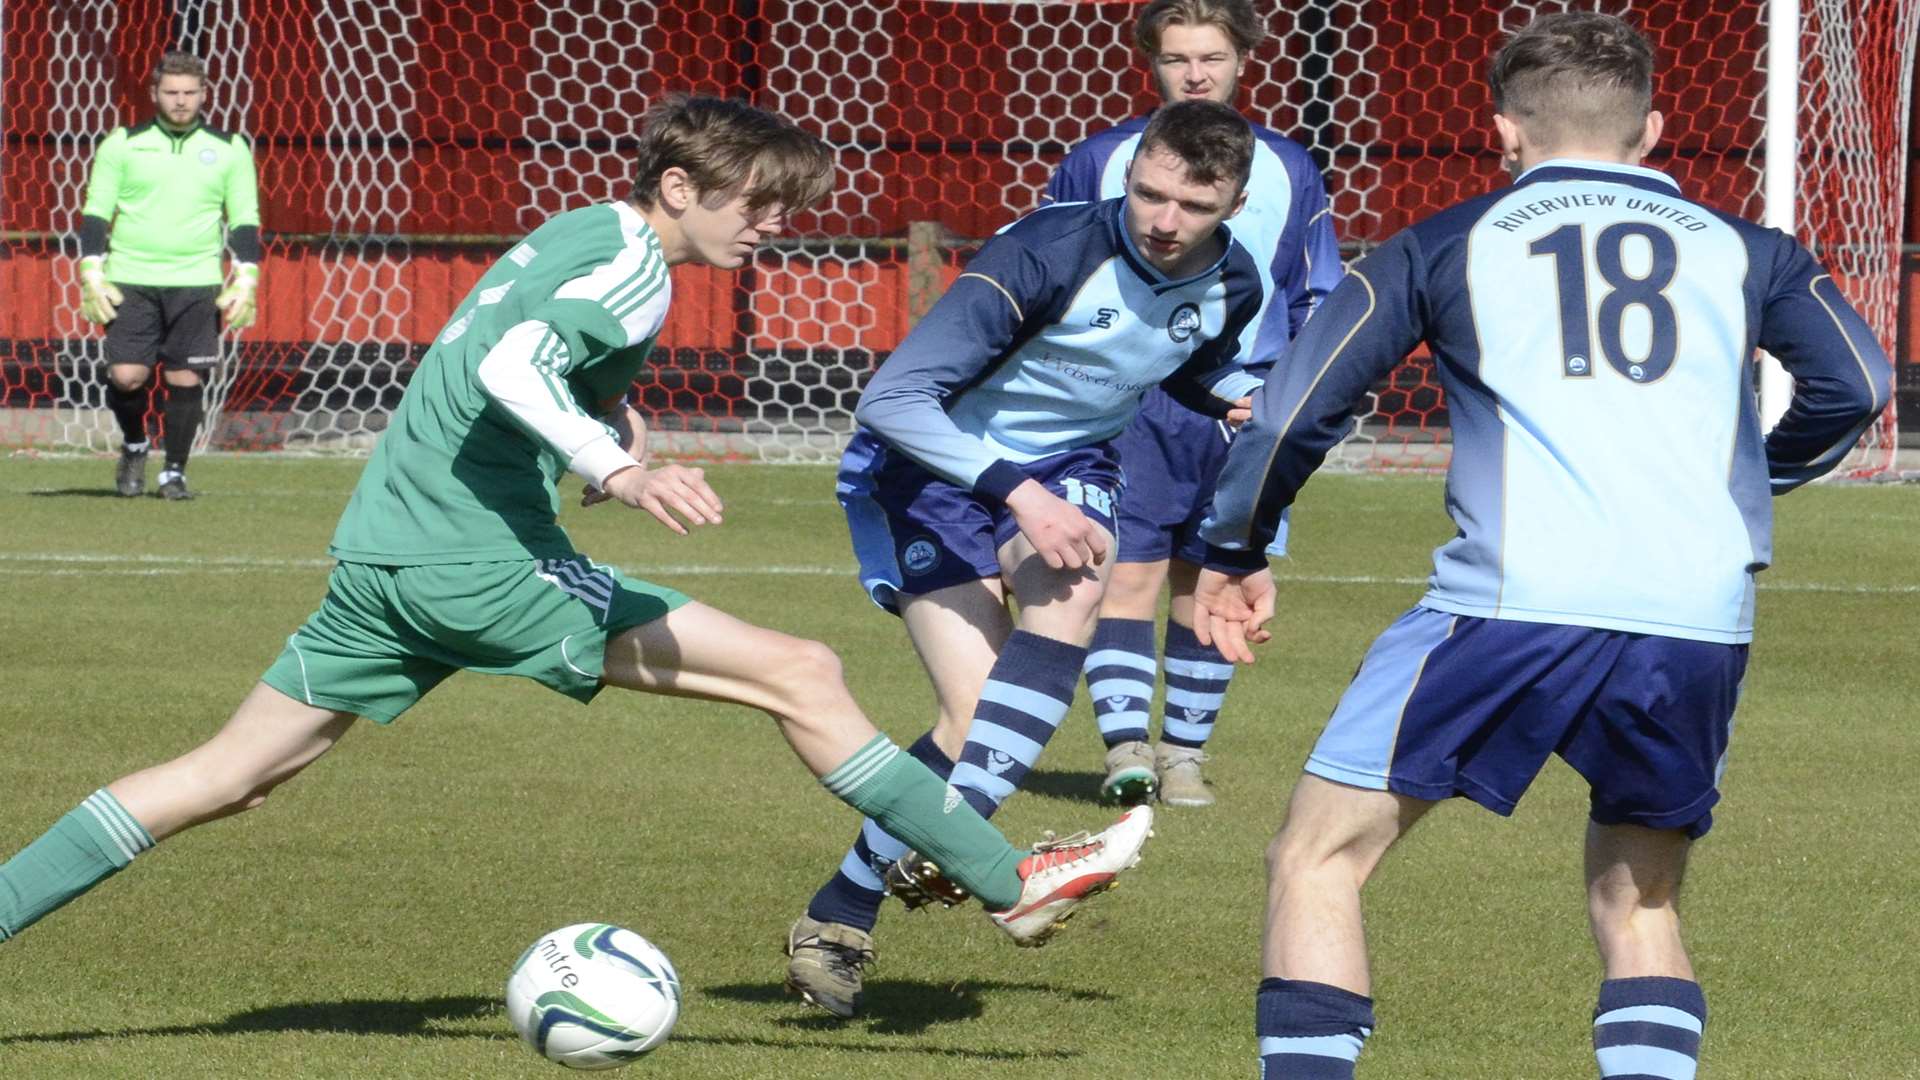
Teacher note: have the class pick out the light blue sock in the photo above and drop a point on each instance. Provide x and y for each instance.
(1649, 1028)
(1120, 673)
(1197, 677)
(1309, 1030)
(1027, 694)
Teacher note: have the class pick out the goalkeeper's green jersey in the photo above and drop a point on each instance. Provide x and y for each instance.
(503, 402)
(164, 194)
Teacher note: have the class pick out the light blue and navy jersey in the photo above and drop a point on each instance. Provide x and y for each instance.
(1594, 331)
(1048, 341)
(1285, 224)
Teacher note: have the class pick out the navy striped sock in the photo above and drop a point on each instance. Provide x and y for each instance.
(1649, 1028)
(1309, 1030)
(1197, 677)
(1120, 676)
(852, 896)
(1026, 696)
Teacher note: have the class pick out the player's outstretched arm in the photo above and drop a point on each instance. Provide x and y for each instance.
(1232, 612)
(665, 492)
(968, 329)
(1370, 321)
(534, 396)
(630, 429)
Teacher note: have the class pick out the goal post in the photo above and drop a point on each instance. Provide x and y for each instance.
(403, 145)
(1781, 167)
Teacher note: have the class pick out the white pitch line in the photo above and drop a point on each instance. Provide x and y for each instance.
(64, 564)
(1784, 586)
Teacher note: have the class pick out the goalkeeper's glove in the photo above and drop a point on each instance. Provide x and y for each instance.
(236, 300)
(99, 298)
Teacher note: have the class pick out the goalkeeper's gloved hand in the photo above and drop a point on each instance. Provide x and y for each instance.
(236, 300)
(99, 298)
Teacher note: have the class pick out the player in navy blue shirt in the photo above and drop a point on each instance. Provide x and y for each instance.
(1594, 331)
(987, 473)
(1197, 51)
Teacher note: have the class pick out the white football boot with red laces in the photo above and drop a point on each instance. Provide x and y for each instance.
(1062, 874)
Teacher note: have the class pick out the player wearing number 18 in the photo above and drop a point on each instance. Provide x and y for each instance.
(1594, 330)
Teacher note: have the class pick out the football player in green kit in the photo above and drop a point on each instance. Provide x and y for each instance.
(451, 557)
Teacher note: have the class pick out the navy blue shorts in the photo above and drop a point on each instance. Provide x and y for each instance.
(915, 533)
(1173, 457)
(1448, 705)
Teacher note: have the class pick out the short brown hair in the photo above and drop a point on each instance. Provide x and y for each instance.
(1211, 139)
(1574, 76)
(727, 146)
(175, 62)
(1235, 18)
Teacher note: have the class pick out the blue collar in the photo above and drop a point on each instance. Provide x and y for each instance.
(1606, 171)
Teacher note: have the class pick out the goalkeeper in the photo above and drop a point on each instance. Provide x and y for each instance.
(150, 263)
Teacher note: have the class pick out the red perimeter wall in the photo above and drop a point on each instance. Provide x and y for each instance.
(953, 95)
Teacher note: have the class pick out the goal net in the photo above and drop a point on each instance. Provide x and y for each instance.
(403, 144)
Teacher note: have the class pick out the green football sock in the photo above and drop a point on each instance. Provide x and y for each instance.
(915, 805)
(93, 842)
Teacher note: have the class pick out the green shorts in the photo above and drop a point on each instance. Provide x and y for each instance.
(385, 635)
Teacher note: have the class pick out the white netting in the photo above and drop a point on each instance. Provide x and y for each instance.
(403, 145)
(1856, 63)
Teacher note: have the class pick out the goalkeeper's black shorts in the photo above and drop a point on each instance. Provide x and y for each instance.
(177, 324)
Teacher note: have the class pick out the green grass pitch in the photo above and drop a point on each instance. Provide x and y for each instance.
(362, 923)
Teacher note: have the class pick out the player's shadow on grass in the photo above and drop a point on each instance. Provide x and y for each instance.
(1071, 786)
(83, 493)
(432, 1018)
(907, 1006)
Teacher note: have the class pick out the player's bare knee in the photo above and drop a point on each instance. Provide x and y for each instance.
(805, 676)
(1616, 900)
(1293, 855)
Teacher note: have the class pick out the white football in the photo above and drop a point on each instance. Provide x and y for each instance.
(593, 996)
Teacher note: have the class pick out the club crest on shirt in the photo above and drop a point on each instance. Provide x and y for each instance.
(208, 157)
(920, 556)
(1183, 322)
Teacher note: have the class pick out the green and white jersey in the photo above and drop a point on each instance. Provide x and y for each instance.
(164, 194)
(501, 405)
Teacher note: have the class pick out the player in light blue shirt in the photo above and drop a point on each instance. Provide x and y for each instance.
(1197, 50)
(987, 473)
(1594, 330)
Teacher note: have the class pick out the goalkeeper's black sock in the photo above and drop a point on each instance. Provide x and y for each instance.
(182, 413)
(130, 409)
